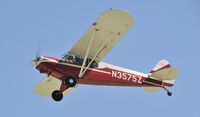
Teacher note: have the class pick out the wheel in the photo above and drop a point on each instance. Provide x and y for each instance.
(70, 81)
(57, 95)
(169, 93)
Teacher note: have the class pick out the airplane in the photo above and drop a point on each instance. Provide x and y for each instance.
(83, 64)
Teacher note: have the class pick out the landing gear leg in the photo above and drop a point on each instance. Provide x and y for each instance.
(70, 81)
(57, 95)
(169, 93)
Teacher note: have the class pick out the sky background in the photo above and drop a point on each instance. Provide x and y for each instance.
(163, 29)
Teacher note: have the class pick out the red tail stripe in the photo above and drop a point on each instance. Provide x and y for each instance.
(167, 66)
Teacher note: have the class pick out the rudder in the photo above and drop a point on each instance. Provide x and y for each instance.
(162, 64)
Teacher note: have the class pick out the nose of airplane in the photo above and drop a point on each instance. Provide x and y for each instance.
(35, 60)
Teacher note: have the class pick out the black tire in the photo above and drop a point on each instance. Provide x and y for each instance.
(70, 81)
(169, 93)
(57, 95)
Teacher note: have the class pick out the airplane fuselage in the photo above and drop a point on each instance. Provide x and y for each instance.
(104, 74)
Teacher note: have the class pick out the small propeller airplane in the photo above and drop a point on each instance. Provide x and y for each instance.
(83, 63)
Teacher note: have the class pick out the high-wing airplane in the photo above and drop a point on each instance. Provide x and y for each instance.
(83, 63)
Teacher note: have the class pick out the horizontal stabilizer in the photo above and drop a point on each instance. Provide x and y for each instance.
(152, 89)
(48, 85)
(165, 74)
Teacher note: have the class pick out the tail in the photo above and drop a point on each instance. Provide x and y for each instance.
(162, 75)
(162, 64)
(163, 71)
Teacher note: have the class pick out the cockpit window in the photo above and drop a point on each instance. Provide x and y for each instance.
(71, 58)
(68, 58)
(76, 59)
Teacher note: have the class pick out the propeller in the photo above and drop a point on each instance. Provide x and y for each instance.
(37, 57)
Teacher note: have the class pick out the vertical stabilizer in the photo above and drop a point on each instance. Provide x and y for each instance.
(162, 64)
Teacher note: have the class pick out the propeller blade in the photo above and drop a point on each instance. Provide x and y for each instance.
(37, 57)
(38, 52)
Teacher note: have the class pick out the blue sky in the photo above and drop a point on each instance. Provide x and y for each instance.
(163, 29)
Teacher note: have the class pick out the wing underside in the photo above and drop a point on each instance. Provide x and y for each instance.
(48, 85)
(108, 29)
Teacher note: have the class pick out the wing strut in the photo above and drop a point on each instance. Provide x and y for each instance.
(86, 54)
(83, 68)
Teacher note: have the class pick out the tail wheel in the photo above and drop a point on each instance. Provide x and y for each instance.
(57, 95)
(70, 81)
(169, 93)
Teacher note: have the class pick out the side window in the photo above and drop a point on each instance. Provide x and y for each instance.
(70, 59)
(94, 64)
(78, 60)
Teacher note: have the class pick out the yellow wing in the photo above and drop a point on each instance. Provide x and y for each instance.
(48, 85)
(109, 28)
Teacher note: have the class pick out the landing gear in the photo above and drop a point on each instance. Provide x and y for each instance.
(57, 95)
(70, 81)
(169, 93)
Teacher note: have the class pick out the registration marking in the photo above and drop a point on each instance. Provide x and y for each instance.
(126, 76)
